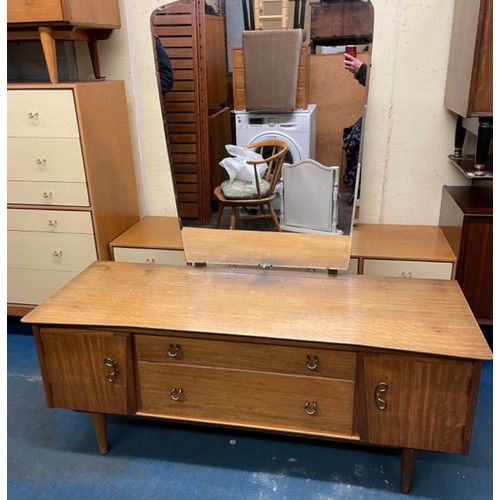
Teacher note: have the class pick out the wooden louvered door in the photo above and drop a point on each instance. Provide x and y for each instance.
(197, 50)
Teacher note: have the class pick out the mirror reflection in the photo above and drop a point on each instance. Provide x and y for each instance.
(228, 92)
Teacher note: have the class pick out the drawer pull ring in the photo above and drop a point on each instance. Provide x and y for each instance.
(47, 195)
(52, 223)
(406, 274)
(58, 253)
(111, 377)
(311, 411)
(33, 116)
(315, 362)
(150, 261)
(377, 395)
(176, 394)
(174, 350)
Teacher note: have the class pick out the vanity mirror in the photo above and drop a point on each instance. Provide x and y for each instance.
(200, 113)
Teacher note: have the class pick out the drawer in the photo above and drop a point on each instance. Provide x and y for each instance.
(45, 159)
(149, 256)
(32, 286)
(352, 269)
(50, 251)
(408, 269)
(41, 113)
(257, 357)
(49, 221)
(34, 11)
(259, 400)
(48, 193)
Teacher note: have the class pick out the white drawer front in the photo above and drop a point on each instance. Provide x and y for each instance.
(149, 256)
(45, 159)
(48, 193)
(49, 221)
(408, 269)
(41, 113)
(352, 269)
(27, 286)
(62, 252)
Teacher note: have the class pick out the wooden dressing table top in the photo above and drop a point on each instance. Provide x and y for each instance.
(419, 316)
(278, 249)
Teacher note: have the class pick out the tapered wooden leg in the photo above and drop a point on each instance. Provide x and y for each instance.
(408, 461)
(94, 58)
(233, 218)
(275, 219)
(101, 431)
(49, 52)
(219, 215)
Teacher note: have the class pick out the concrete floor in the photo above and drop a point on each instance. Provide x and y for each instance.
(52, 453)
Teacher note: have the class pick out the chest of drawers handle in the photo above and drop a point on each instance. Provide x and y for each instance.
(406, 274)
(174, 351)
(311, 407)
(176, 394)
(314, 364)
(52, 223)
(47, 195)
(33, 115)
(380, 389)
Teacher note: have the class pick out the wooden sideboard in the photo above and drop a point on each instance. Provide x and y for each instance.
(384, 361)
(70, 183)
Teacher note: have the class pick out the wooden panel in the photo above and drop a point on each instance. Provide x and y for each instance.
(248, 398)
(43, 159)
(23, 11)
(78, 375)
(219, 136)
(427, 316)
(257, 357)
(216, 61)
(427, 402)
(303, 94)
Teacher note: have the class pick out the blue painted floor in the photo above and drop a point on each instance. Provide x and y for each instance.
(52, 454)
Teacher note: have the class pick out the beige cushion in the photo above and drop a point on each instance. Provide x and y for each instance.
(243, 190)
(271, 64)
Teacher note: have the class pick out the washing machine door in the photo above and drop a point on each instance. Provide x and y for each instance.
(293, 154)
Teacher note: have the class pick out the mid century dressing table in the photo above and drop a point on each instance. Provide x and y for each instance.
(364, 359)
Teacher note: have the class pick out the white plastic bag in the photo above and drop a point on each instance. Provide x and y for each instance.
(238, 168)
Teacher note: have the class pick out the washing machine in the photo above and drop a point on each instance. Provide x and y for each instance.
(297, 129)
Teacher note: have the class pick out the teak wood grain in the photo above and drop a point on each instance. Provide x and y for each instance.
(420, 316)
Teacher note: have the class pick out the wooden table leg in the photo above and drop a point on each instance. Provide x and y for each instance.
(49, 52)
(94, 58)
(408, 461)
(101, 431)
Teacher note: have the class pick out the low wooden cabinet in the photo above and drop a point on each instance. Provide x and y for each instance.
(394, 363)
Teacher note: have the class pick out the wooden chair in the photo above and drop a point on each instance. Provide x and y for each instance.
(260, 195)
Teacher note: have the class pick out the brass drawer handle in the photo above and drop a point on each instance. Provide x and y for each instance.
(406, 274)
(57, 253)
(33, 116)
(315, 363)
(380, 389)
(176, 394)
(311, 409)
(174, 351)
(41, 162)
(47, 195)
(52, 223)
(150, 261)
(111, 377)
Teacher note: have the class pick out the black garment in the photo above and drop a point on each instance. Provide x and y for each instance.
(164, 67)
(361, 75)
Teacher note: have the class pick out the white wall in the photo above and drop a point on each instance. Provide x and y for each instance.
(408, 134)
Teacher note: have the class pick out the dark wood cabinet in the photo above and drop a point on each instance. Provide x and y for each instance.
(466, 219)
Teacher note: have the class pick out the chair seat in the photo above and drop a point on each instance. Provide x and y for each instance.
(244, 190)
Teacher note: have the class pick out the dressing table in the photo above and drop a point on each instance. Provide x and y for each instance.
(363, 359)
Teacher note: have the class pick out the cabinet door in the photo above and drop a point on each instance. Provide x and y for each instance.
(416, 403)
(87, 370)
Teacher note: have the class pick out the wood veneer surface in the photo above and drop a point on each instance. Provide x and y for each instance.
(420, 316)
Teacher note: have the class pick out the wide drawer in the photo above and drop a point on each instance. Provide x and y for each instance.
(55, 251)
(33, 286)
(149, 256)
(45, 159)
(41, 113)
(34, 11)
(408, 269)
(310, 405)
(49, 221)
(239, 355)
(48, 193)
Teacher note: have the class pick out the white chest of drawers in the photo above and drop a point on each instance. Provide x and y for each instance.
(70, 183)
